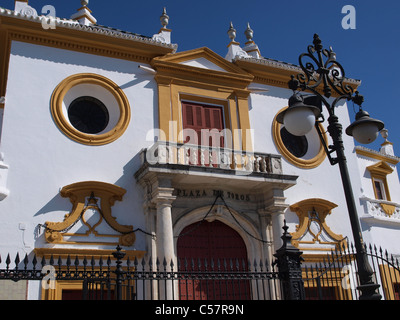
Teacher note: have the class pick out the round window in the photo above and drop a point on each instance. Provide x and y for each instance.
(90, 109)
(297, 145)
(88, 115)
(305, 151)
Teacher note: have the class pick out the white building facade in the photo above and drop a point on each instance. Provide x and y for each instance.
(109, 138)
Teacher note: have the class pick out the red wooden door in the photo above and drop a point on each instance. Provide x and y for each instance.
(223, 249)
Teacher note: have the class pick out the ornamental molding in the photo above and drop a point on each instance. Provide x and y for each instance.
(73, 24)
(91, 209)
(312, 232)
(380, 212)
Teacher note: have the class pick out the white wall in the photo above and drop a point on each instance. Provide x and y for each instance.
(323, 181)
(42, 159)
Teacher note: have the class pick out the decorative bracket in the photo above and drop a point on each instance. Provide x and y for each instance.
(78, 193)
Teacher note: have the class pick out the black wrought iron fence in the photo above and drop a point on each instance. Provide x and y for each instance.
(108, 278)
(336, 276)
(121, 278)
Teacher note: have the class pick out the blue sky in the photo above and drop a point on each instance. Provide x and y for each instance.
(282, 29)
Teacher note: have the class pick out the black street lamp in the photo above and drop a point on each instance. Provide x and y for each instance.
(305, 112)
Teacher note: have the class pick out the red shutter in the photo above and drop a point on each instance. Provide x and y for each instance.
(198, 117)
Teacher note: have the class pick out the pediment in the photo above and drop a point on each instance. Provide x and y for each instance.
(199, 59)
(380, 167)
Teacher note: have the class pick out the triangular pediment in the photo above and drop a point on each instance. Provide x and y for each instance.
(202, 58)
(380, 167)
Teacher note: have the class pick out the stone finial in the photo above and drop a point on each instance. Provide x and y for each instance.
(249, 33)
(385, 134)
(232, 32)
(164, 19)
(84, 15)
(234, 49)
(251, 48)
(386, 146)
(164, 35)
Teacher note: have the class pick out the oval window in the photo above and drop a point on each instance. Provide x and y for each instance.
(305, 152)
(297, 145)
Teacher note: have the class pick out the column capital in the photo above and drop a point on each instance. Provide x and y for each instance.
(163, 196)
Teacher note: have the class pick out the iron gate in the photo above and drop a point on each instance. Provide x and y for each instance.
(336, 277)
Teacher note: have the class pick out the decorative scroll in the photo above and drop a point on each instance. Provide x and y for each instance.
(92, 202)
(312, 229)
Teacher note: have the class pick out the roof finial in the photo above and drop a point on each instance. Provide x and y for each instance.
(232, 32)
(164, 19)
(386, 146)
(84, 15)
(249, 33)
(251, 48)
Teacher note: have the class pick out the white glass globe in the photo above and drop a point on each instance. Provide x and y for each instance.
(299, 121)
(365, 133)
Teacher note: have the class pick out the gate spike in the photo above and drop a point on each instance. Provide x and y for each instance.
(198, 263)
(26, 261)
(34, 262)
(8, 261)
(17, 260)
(43, 262)
(59, 262)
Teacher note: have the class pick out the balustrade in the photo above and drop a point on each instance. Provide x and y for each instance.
(212, 157)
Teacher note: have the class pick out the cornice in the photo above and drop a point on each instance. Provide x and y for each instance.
(369, 153)
(94, 39)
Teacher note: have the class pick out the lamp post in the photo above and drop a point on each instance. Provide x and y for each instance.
(305, 112)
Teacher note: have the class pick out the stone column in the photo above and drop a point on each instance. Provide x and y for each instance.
(163, 199)
(164, 230)
(275, 206)
(277, 225)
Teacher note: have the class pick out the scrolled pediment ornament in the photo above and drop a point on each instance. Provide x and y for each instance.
(92, 202)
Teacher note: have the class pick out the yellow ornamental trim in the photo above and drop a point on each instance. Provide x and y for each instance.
(64, 124)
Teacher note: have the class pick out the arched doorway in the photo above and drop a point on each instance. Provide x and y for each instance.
(211, 248)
